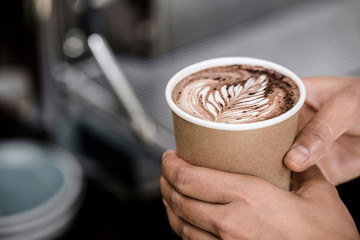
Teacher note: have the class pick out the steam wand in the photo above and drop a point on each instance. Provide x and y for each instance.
(143, 126)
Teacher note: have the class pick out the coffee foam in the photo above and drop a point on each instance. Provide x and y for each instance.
(236, 94)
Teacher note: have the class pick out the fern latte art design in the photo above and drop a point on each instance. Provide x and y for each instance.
(236, 94)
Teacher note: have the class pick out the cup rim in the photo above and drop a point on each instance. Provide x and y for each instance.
(225, 61)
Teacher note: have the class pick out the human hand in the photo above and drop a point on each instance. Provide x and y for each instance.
(331, 136)
(204, 203)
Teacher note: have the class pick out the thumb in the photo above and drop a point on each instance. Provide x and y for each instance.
(339, 114)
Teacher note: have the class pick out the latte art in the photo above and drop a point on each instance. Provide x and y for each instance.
(236, 94)
(227, 103)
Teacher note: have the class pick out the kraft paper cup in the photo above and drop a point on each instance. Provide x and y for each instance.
(249, 148)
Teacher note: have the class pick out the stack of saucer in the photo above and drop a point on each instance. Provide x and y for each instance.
(40, 190)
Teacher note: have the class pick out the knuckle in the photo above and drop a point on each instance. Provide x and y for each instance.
(229, 226)
(352, 92)
(183, 178)
(319, 131)
(246, 195)
(253, 192)
(175, 202)
(224, 227)
(350, 95)
(186, 232)
(165, 162)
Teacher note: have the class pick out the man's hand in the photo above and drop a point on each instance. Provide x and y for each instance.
(331, 136)
(203, 203)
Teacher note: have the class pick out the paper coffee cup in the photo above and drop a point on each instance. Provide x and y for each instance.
(256, 148)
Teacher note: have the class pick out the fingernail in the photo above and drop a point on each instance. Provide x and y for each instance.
(164, 155)
(164, 202)
(299, 154)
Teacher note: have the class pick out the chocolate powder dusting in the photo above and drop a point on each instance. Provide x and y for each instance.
(276, 80)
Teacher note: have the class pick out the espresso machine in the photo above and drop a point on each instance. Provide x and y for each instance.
(104, 65)
(100, 94)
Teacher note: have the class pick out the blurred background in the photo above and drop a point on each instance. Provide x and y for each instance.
(83, 115)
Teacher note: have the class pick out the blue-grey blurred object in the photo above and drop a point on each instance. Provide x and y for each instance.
(40, 190)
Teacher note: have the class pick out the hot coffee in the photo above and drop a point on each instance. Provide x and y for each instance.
(236, 94)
